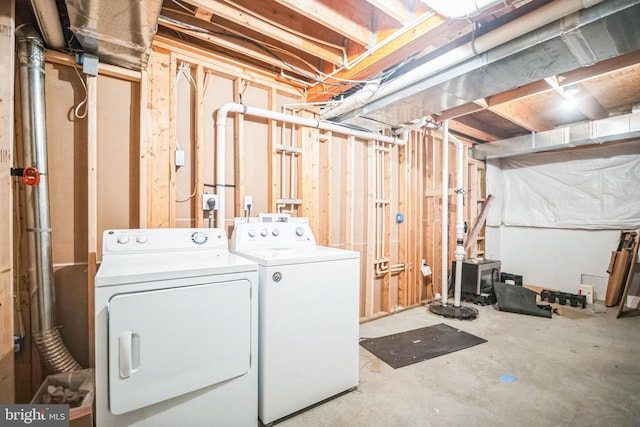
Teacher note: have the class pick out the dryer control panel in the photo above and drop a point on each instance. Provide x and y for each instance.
(272, 235)
(162, 240)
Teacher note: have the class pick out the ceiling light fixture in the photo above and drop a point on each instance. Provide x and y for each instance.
(456, 9)
(570, 90)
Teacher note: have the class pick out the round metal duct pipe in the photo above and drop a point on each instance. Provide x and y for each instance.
(34, 134)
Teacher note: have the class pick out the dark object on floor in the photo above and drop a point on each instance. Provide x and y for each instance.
(484, 298)
(407, 348)
(574, 299)
(518, 299)
(460, 313)
(511, 279)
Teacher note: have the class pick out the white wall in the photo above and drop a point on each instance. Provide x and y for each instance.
(559, 214)
(554, 258)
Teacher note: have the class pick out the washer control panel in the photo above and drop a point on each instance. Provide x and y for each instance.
(162, 239)
(277, 235)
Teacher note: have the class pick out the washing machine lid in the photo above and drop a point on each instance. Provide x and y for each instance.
(119, 269)
(288, 256)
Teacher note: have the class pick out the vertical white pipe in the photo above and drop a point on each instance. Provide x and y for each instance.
(445, 210)
(460, 252)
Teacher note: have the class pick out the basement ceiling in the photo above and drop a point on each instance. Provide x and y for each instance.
(331, 47)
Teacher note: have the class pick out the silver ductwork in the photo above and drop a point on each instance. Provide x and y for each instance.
(119, 32)
(580, 39)
(589, 133)
(42, 288)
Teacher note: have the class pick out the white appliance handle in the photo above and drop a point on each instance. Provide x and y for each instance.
(124, 354)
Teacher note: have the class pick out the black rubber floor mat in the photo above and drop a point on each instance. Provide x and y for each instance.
(414, 346)
(516, 299)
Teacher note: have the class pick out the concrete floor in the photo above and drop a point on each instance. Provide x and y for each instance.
(577, 369)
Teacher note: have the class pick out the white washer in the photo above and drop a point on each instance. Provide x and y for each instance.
(175, 330)
(309, 316)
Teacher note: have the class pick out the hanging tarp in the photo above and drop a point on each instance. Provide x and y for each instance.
(594, 188)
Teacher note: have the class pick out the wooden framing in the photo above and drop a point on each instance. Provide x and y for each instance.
(198, 160)
(7, 45)
(325, 237)
(92, 204)
(350, 192)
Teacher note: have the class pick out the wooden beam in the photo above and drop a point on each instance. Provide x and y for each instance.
(427, 35)
(346, 17)
(143, 153)
(242, 48)
(327, 171)
(350, 180)
(600, 68)
(272, 140)
(404, 206)
(397, 9)
(588, 105)
(103, 69)
(158, 144)
(245, 19)
(92, 206)
(199, 146)
(7, 45)
(224, 66)
(368, 296)
(521, 115)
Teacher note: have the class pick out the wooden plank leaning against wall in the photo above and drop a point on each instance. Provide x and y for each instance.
(7, 43)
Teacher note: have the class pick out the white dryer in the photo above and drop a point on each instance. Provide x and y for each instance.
(309, 316)
(175, 330)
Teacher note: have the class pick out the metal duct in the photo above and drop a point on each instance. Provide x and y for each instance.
(34, 134)
(119, 32)
(595, 132)
(600, 32)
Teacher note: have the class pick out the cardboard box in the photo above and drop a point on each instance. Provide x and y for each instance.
(81, 416)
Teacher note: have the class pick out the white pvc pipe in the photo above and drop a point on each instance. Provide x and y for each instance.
(460, 8)
(232, 107)
(538, 18)
(460, 252)
(445, 211)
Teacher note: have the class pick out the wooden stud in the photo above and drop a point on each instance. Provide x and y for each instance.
(350, 181)
(143, 214)
(369, 283)
(404, 199)
(199, 146)
(159, 157)
(7, 45)
(173, 72)
(272, 138)
(386, 218)
(239, 152)
(92, 205)
(421, 219)
(327, 186)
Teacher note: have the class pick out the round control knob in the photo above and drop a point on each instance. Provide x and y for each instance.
(264, 232)
(299, 231)
(275, 232)
(123, 238)
(199, 237)
(142, 238)
(252, 233)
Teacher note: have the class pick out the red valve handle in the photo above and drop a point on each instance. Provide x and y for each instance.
(31, 176)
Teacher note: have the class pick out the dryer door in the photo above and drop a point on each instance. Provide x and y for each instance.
(165, 343)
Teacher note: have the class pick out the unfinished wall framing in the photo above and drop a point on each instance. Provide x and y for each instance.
(117, 169)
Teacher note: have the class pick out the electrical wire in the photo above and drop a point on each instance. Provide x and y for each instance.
(184, 69)
(83, 103)
(270, 50)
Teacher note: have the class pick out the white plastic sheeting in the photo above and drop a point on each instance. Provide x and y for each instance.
(595, 188)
